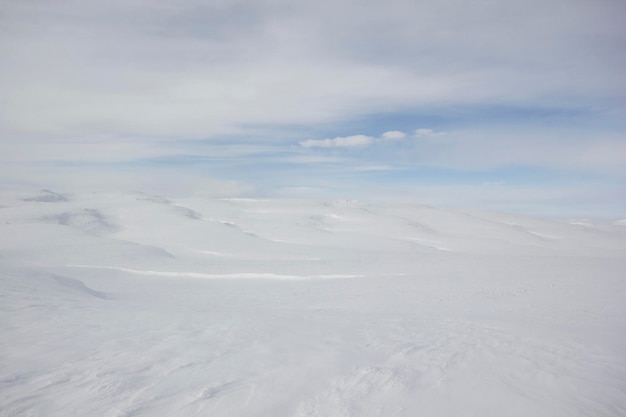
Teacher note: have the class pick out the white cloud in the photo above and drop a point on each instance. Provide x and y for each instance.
(363, 140)
(353, 141)
(339, 142)
(393, 135)
(419, 133)
(424, 132)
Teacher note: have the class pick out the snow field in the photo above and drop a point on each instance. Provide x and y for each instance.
(133, 305)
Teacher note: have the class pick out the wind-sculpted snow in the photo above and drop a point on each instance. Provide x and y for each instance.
(136, 305)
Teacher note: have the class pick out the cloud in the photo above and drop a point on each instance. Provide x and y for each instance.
(339, 142)
(353, 141)
(420, 133)
(424, 132)
(363, 140)
(393, 135)
(225, 88)
(196, 69)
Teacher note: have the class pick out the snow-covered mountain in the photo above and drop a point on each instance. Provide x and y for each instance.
(136, 305)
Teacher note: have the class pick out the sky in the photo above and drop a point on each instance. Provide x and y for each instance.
(498, 105)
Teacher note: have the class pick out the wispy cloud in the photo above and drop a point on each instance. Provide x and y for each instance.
(393, 135)
(364, 140)
(339, 142)
(197, 69)
(303, 96)
(419, 133)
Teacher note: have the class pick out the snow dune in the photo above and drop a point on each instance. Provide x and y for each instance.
(126, 305)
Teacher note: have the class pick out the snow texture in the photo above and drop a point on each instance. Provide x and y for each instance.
(121, 305)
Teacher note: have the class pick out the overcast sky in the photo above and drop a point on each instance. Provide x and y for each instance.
(505, 105)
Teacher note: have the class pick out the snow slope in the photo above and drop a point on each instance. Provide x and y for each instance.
(126, 305)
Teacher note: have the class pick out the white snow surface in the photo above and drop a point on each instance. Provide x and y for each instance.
(121, 305)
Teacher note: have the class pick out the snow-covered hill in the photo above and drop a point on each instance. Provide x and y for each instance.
(126, 305)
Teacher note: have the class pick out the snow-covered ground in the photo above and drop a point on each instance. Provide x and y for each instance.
(123, 305)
